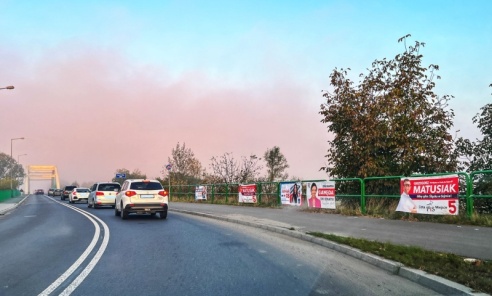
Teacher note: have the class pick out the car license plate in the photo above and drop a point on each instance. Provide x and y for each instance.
(147, 196)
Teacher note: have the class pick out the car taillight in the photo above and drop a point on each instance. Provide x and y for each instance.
(98, 193)
(130, 193)
(74, 193)
(163, 193)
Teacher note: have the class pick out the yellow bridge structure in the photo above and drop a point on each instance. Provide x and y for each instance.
(42, 172)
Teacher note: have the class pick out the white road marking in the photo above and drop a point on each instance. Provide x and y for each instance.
(91, 264)
(80, 278)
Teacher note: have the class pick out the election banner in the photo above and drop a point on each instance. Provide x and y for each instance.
(291, 193)
(200, 192)
(247, 193)
(321, 194)
(433, 195)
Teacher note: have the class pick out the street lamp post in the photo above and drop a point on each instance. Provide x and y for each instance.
(18, 156)
(12, 168)
(7, 87)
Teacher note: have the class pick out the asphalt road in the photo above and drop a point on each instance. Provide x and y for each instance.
(184, 255)
(464, 240)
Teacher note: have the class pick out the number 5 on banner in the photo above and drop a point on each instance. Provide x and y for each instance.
(452, 206)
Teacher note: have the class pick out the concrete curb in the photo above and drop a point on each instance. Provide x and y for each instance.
(4, 210)
(436, 283)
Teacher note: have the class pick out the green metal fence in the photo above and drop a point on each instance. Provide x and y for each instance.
(7, 194)
(474, 186)
(467, 189)
(360, 194)
(480, 190)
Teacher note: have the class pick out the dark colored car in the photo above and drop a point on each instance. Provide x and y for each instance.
(66, 191)
(39, 192)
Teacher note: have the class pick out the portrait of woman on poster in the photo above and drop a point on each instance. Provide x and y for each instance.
(314, 201)
(295, 194)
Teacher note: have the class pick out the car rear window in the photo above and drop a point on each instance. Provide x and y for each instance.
(82, 190)
(146, 186)
(70, 187)
(109, 187)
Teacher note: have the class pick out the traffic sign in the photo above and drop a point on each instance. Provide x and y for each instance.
(121, 175)
(169, 166)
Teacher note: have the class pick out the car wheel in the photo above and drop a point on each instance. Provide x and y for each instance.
(96, 206)
(116, 212)
(124, 214)
(163, 215)
(89, 205)
(152, 214)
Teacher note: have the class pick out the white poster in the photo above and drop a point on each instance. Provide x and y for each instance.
(291, 193)
(321, 194)
(200, 192)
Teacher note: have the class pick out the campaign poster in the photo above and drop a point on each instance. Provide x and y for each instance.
(291, 193)
(200, 192)
(433, 195)
(247, 193)
(321, 194)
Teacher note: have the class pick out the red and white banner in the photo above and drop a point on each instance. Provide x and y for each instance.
(434, 195)
(247, 193)
(200, 192)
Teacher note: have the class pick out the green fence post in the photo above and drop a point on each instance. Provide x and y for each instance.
(213, 193)
(468, 192)
(227, 193)
(279, 200)
(363, 197)
(469, 200)
(472, 196)
(362, 191)
(259, 192)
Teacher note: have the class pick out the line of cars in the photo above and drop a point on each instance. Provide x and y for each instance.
(54, 192)
(139, 196)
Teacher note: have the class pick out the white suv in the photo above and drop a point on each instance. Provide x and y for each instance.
(103, 194)
(142, 197)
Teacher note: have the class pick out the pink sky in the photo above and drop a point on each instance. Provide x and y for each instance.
(101, 86)
(90, 112)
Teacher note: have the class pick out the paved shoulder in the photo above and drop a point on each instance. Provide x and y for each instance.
(463, 240)
(8, 205)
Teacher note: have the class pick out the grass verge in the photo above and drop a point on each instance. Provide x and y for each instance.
(477, 275)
